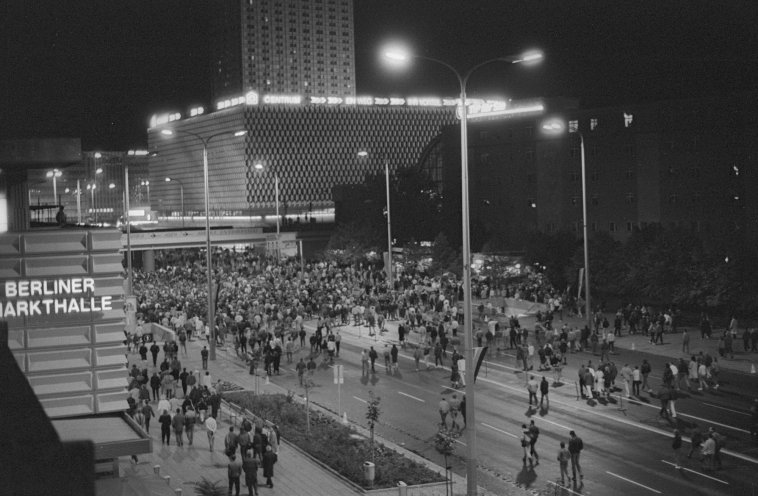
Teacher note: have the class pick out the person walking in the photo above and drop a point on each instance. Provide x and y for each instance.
(250, 467)
(417, 353)
(646, 369)
(526, 442)
(462, 409)
(147, 414)
(190, 418)
(708, 450)
(685, 341)
(626, 374)
(165, 421)
(373, 355)
(575, 448)
(178, 424)
(534, 433)
(455, 406)
(234, 471)
(393, 354)
(300, 368)
(563, 459)
(204, 357)
(444, 409)
(636, 380)
(676, 445)
(269, 459)
(210, 429)
(544, 390)
(532, 386)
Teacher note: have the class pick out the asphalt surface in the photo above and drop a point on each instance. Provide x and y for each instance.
(627, 445)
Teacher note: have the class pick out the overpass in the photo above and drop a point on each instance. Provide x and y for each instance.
(291, 242)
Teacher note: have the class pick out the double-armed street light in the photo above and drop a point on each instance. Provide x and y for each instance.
(399, 56)
(181, 193)
(209, 268)
(55, 174)
(557, 127)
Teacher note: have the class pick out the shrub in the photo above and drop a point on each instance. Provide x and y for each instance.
(331, 443)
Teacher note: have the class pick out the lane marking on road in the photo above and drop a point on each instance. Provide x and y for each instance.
(500, 430)
(361, 400)
(633, 482)
(541, 419)
(564, 488)
(696, 472)
(411, 396)
(725, 426)
(727, 409)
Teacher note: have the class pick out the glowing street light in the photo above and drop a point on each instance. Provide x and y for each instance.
(554, 127)
(398, 56)
(181, 194)
(209, 268)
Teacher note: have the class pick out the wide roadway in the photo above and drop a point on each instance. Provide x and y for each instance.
(627, 445)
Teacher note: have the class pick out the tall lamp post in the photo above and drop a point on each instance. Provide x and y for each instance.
(146, 183)
(55, 174)
(181, 194)
(364, 154)
(557, 127)
(402, 57)
(259, 167)
(92, 187)
(209, 268)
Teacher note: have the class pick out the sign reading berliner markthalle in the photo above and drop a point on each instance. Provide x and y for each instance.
(39, 297)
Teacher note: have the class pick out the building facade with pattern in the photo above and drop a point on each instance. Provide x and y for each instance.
(681, 164)
(310, 148)
(282, 46)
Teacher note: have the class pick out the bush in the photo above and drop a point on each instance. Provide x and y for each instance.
(330, 442)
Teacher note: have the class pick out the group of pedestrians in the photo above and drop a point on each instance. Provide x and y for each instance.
(569, 452)
(258, 447)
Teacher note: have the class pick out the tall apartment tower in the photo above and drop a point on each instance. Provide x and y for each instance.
(303, 47)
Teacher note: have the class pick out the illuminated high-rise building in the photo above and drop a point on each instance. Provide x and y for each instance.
(303, 47)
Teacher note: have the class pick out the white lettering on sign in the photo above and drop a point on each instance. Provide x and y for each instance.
(29, 298)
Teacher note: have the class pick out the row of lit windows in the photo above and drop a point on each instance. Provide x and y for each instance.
(616, 227)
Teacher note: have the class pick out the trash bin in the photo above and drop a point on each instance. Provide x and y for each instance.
(368, 471)
(402, 488)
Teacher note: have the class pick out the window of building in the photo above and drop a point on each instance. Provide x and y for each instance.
(484, 158)
(631, 198)
(529, 131)
(574, 152)
(628, 118)
(594, 151)
(484, 134)
(673, 199)
(573, 126)
(629, 227)
(595, 200)
(529, 155)
(629, 150)
(594, 227)
(593, 123)
(612, 227)
(531, 202)
(575, 176)
(629, 174)
(595, 175)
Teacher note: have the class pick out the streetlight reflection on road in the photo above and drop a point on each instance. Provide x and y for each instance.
(209, 267)
(398, 56)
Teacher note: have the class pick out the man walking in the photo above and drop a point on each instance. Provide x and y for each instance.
(626, 374)
(563, 459)
(300, 367)
(455, 406)
(250, 467)
(234, 471)
(373, 355)
(204, 356)
(178, 424)
(575, 448)
(532, 387)
(544, 390)
(444, 408)
(534, 433)
(165, 421)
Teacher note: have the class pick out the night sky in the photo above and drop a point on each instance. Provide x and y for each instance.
(98, 69)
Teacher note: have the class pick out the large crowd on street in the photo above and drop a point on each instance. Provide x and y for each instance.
(262, 305)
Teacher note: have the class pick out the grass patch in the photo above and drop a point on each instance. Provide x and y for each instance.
(330, 442)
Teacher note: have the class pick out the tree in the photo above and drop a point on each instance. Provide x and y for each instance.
(445, 445)
(444, 258)
(350, 243)
(206, 487)
(372, 415)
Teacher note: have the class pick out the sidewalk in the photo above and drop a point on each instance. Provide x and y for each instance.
(294, 472)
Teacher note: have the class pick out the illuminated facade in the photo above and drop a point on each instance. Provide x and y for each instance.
(685, 164)
(312, 146)
(282, 46)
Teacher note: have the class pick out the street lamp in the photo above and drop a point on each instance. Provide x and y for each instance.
(557, 127)
(363, 154)
(92, 187)
(181, 194)
(259, 167)
(397, 56)
(205, 141)
(55, 174)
